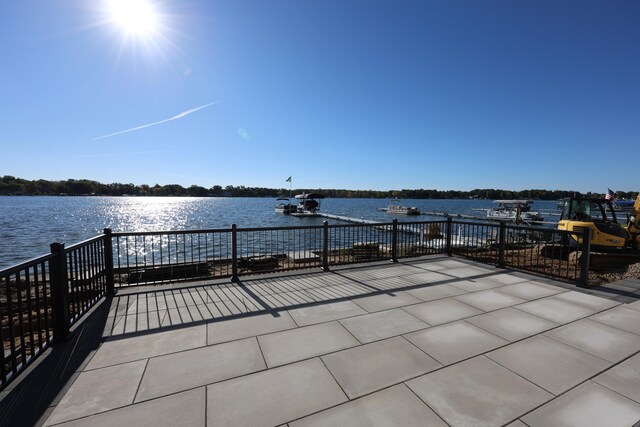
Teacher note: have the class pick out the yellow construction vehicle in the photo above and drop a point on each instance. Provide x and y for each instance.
(607, 234)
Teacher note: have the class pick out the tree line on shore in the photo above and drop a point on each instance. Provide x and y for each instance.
(12, 186)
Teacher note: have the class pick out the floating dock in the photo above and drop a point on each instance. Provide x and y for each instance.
(347, 218)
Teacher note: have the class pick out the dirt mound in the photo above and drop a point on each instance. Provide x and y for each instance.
(631, 271)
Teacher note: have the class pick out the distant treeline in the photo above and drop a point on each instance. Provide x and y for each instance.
(11, 186)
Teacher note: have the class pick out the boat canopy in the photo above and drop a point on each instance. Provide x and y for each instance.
(513, 202)
(310, 196)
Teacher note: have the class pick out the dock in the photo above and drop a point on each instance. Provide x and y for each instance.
(347, 218)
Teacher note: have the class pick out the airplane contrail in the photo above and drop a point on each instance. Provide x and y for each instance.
(178, 116)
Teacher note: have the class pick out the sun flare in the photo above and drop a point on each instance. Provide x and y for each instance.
(134, 17)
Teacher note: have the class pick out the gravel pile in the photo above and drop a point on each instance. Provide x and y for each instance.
(630, 272)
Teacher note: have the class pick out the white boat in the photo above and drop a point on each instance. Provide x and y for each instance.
(397, 209)
(285, 206)
(513, 210)
(308, 204)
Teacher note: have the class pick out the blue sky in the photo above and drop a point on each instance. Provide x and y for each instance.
(339, 94)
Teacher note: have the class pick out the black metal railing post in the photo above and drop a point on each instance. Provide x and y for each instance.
(234, 253)
(394, 241)
(325, 246)
(584, 259)
(449, 235)
(59, 293)
(108, 261)
(502, 243)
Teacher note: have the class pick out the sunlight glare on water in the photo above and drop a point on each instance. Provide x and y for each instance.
(152, 213)
(28, 225)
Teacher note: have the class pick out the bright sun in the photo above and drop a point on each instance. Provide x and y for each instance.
(135, 17)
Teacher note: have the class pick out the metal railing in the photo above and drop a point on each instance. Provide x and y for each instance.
(41, 298)
(26, 314)
(171, 256)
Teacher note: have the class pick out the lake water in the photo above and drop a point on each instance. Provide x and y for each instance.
(29, 224)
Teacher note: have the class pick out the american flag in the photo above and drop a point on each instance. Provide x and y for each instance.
(611, 196)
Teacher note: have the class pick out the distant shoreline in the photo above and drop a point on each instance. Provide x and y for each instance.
(12, 186)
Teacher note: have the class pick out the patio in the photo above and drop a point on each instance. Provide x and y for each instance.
(433, 341)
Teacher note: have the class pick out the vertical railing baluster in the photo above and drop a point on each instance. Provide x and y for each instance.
(3, 361)
(234, 253)
(27, 280)
(502, 244)
(36, 284)
(108, 261)
(11, 326)
(584, 256)
(394, 241)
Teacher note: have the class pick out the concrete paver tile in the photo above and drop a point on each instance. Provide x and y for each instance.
(603, 341)
(556, 310)
(188, 369)
(431, 265)
(139, 322)
(183, 409)
(623, 378)
(479, 284)
(185, 315)
(442, 311)
(233, 329)
(115, 351)
(386, 301)
(383, 324)
(425, 277)
(552, 365)
(98, 391)
(507, 278)
(489, 300)
(511, 324)
(289, 346)
(273, 397)
(531, 290)
(620, 317)
(455, 341)
(395, 406)
(589, 405)
(388, 283)
(478, 392)
(371, 367)
(325, 312)
(448, 263)
(593, 302)
(433, 292)
(467, 271)
(634, 305)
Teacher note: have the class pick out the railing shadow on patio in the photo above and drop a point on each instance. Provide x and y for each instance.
(43, 300)
(28, 399)
(136, 313)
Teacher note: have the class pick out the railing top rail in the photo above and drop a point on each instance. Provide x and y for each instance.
(538, 228)
(296, 227)
(214, 230)
(26, 264)
(83, 243)
(374, 224)
(163, 232)
(431, 221)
